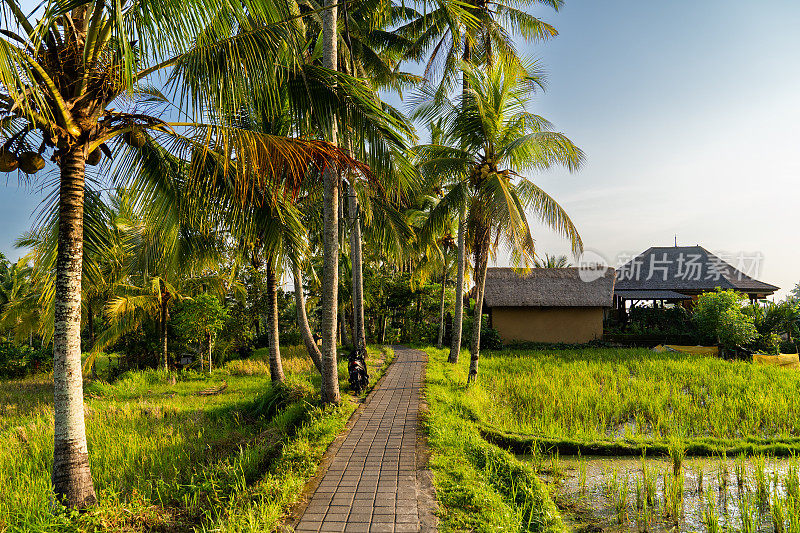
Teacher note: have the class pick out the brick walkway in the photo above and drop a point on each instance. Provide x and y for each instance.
(371, 484)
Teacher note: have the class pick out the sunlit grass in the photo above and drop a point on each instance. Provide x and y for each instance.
(479, 486)
(632, 393)
(164, 456)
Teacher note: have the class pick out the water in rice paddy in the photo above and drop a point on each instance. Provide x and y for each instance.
(731, 490)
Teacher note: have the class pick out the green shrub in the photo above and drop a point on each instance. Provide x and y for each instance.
(721, 319)
(19, 360)
(490, 337)
(669, 321)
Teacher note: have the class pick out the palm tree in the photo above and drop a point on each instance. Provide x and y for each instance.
(473, 32)
(330, 231)
(489, 139)
(163, 258)
(551, 261)
(374, 54)
(20, 312)
(447, 245)
(302, 318)
(64, 78)
(275, 229)
(377, 151)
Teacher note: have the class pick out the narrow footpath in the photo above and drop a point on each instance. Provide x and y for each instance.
(372, 483)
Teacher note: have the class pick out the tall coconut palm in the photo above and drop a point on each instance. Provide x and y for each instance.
(363, 48)
(164, 258)
(330, 231)
(475, 32)
(66, 74)
(490, 139)
(276, 229)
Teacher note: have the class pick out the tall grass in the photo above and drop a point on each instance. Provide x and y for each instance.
(165, 457)
(617, 394)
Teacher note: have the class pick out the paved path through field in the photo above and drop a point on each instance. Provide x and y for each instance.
(372, 482)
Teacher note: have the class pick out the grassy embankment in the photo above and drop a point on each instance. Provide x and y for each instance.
(168, 456)
(480, 487)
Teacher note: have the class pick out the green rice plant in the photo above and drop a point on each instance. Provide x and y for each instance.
(677, 453)
(673, 494)
(582, 475)
(710, 517)
(612, 484)
(723, 473)
(645, 517)
(640, 496)
(556, 470)
(601, 391)
(536, 458)
(620, 500)
(760, 479)
(778, 512)
(649, 480)
(792, 506)
(747, 520)
(699, 472)
(740, 469)
(791, 481)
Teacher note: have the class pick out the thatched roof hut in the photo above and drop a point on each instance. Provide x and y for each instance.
(548, 287)
(548, 304)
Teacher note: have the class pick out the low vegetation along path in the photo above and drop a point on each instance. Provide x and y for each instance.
(372, 483)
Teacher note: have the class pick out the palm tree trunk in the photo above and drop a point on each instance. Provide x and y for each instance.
(441, 306)
(357, 273)
(343, 327)
(164, 319)
(72, 479)
(330, 244)
(458, 315)
(481, 263)
(302, 318)
(275, 364)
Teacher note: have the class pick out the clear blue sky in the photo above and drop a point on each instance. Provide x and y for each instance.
(689, 113)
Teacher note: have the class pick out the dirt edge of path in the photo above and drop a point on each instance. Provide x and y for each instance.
(426, 492)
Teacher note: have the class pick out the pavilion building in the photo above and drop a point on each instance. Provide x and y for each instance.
(679, 274)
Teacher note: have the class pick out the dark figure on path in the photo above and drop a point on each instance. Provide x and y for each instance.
(357, 369)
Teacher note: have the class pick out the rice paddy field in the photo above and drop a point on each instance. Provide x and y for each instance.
(609, 395)
(175, 452)
(741, 494)
(622, 439)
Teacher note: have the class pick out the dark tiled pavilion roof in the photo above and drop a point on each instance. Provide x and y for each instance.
(686, 270)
